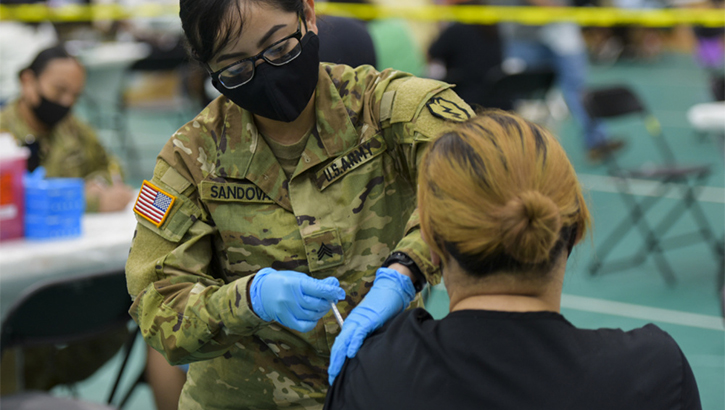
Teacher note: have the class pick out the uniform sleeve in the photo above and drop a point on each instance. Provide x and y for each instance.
(183, 307)
(421, 111)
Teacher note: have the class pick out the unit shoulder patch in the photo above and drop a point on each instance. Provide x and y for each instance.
(153, 204)
(447, 109)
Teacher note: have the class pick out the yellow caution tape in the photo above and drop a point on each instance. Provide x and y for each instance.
(35, 13)
(585, 16)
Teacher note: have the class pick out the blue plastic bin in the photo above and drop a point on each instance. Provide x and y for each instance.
(53, 207)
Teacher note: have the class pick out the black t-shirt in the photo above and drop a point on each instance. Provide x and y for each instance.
(475, 359)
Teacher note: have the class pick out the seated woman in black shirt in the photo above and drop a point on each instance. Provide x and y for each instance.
(501, 208)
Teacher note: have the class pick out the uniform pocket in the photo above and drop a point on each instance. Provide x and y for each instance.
(324, 250)
(256, 232)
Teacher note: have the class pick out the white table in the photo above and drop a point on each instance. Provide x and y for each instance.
(707, 117)
(103, 246)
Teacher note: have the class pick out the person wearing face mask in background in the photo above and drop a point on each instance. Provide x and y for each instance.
(41, 119)
(66, 147)
(292, 191)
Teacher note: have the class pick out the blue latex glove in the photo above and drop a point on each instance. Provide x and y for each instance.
(391, 293)
(293, 299)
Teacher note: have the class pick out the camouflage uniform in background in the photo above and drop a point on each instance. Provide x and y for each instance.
(70, 150)
(348, 205)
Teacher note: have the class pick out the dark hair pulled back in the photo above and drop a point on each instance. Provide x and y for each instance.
(41, 61)
(209, 25)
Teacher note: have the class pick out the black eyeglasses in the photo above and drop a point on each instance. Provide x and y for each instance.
(278, 54)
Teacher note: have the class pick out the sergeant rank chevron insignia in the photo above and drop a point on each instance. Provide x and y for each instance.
(323, 251)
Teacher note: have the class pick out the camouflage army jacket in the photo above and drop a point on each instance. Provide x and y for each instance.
(348, 205)
(70, 150)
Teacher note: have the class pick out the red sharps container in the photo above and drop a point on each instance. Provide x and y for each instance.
(13, 160)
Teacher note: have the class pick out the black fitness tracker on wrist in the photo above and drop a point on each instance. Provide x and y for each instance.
(405, 260)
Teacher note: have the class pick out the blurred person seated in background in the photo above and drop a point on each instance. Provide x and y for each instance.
(65, 146)
(469, 52)
(710, 54)
(710, 51)
(639, 42)
(625, 41)
(501, 208)
(561, 47)
(40, 119)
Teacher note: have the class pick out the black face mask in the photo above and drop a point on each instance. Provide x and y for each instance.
(49, 112)
(280, 93)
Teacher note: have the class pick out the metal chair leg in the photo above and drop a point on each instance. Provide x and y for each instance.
(128, 347)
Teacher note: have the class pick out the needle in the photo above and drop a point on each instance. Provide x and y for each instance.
(336, 312)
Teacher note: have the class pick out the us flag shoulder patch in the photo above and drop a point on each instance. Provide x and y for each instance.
(153, 204)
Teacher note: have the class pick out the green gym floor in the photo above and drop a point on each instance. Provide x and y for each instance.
(689, 309)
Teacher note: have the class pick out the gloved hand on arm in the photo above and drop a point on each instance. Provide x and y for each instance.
(293, 299)
(391, 293)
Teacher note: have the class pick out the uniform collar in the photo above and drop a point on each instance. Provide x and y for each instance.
(243, 153)
(19, 126)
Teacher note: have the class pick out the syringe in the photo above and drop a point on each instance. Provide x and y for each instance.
(336, 312)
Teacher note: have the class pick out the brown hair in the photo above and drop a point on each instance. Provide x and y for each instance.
(498, 193)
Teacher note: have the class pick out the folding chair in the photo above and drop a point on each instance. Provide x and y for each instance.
(65, 312)
(620, 101)
(509, 88)
(523, 84)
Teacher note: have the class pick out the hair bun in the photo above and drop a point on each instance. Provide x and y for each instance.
(530, 225)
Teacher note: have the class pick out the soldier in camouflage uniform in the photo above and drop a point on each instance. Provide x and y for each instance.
(61, 143)
(229, 204)
(65, 147)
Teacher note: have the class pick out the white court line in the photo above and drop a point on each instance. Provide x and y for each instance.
(643, 187)
(706, 360)
(609, 307)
